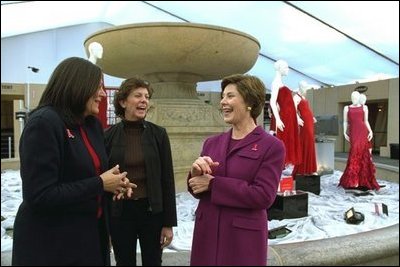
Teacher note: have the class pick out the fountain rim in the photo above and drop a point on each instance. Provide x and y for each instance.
(172, 24)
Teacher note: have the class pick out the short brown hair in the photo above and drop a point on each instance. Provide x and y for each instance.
(251, 88)
(125, 89)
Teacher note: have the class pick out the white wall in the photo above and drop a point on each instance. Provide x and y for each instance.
(45, 50)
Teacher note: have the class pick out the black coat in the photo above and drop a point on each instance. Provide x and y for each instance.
(56, 223)
(158, 164)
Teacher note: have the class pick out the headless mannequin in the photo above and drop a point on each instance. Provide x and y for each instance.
(281, 69)
(95, 52)
(355, 99)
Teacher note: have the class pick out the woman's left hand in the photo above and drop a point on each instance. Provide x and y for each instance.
(166, 236)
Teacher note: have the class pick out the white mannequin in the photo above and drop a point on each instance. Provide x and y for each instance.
(355, 99)
(281, 69)
(95, 52)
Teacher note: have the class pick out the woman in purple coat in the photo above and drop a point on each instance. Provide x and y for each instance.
(236, 180)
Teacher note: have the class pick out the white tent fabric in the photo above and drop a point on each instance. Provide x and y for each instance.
(325, 42)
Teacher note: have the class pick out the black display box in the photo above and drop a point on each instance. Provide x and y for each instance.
(293, 204)
(308, 183)
(394, 151)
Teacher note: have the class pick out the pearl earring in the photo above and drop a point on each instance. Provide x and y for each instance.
(249, 108)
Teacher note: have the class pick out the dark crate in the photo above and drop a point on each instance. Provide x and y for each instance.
(290, 206)
(394, 151)
(308, 183)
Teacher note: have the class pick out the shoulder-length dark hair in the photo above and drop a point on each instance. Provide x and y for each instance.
(251, 88)
(73, 82)
(125, 89)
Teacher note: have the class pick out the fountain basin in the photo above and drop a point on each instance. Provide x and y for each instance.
(199, 52)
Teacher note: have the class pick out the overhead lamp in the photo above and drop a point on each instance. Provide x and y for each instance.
(28, 90)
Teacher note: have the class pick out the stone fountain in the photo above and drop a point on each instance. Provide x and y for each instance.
(173, 57)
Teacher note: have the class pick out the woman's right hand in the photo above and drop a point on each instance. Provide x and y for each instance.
(200, 183)
(114, 181)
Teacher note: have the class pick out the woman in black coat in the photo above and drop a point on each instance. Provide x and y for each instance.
(143, 150)
(62, 218)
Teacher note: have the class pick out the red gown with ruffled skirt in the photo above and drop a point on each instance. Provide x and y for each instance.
(360, 170)
(307, 140)
(290, 134)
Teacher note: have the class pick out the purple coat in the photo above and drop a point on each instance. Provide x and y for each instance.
(231, 219)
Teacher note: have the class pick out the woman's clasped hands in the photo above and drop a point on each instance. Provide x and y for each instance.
(201, 171)
(116, 182)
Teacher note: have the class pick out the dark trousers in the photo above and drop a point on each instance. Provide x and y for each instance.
(104, 242)
(136, 222)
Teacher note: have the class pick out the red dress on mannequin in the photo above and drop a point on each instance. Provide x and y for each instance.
(290, 134)
(307, 140)
(360, 170)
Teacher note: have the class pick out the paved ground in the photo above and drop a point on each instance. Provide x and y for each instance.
(169, 259)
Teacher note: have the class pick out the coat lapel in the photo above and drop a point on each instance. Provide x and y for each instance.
(250, 140)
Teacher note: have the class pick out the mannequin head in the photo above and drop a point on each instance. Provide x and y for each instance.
(355, 98)
(363, 99)
(282, 67)
(95, 52)
(303, 87)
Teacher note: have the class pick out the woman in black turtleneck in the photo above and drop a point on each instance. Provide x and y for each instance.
(143, 150)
